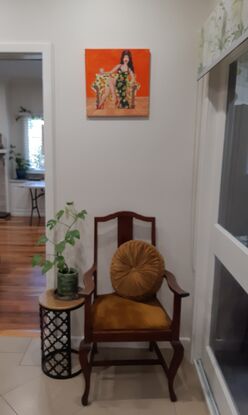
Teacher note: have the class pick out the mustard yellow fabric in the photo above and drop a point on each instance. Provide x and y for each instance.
(112, 312)
(137, 270)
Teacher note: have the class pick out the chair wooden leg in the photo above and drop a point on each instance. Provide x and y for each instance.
(151, 346)
(86, 369)
(95, 348)
(174, 365)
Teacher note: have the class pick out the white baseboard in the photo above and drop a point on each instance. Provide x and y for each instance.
(207, 392)
(25, 212)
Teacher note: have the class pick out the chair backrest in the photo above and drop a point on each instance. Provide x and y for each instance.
(125, 222)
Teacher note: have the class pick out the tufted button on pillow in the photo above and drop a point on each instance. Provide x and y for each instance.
(137, 270)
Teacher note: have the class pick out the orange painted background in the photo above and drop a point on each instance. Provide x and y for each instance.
(109, 58)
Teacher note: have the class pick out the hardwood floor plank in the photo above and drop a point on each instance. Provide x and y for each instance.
(20, 284)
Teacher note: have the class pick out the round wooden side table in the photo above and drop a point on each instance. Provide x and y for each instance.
(55, 325)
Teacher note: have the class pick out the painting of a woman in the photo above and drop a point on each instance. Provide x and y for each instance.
(118, 85)
(117, 90)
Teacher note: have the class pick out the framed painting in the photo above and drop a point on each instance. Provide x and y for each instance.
(117, 82)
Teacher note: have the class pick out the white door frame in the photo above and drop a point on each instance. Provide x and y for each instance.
(210, 238)
(209, 174)
(47, 87)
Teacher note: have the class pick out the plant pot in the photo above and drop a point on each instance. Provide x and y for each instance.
(21, 174)
(67, 285)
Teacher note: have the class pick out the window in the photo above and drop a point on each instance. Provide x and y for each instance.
(233, 196)
(229, 333)
(35, 143)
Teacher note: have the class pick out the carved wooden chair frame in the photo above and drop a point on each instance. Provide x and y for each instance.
(92, 337)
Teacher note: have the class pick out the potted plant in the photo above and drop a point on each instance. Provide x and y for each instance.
(22, 165)
(65, 222)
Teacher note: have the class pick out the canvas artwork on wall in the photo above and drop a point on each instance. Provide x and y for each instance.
(117, 82)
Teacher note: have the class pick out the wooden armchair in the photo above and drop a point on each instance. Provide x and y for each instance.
(94, 334)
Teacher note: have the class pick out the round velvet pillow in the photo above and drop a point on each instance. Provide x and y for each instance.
(137, 270)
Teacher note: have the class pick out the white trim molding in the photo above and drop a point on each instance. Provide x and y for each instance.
(206, 389)
(219, 387)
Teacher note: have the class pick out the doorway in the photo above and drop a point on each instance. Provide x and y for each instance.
(28, 130)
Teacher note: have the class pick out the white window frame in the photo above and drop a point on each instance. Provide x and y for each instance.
(26, 121)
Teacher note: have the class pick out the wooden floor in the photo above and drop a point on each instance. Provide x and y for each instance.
(20, 284)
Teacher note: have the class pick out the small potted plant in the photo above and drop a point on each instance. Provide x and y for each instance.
(65, 221)
(22, 165)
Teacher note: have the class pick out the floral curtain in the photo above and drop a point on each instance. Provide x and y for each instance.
(225, 29)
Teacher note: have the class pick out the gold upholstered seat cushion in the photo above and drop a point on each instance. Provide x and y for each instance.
(112, 312)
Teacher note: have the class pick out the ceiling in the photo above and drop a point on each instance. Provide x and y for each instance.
(20, 66)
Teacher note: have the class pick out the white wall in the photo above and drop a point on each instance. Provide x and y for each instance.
(13, 94)
(28, 94)
(4, 130)
(4, 116)
(139, 164)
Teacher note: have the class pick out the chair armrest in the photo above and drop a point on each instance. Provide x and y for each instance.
(173, 285)
(89, 284)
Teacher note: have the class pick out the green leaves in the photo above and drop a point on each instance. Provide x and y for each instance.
(60, 260)
(21, 163)
(42, 240)
(51, 224)
(82, 214)
(60, 247)
(59, 214)
(36, 260)
(47, 266)
(75, 234)
(70, 236)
